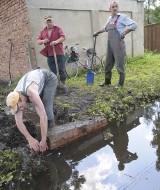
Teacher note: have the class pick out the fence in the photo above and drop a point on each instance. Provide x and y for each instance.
(152, 37)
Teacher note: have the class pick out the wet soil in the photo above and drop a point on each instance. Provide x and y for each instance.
(68, 107)
(9, 134)
(72, 105)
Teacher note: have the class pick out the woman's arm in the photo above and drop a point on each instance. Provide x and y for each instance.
(33, 143)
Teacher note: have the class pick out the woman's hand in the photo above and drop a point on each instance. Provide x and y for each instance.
(43, 146)
(34, 144)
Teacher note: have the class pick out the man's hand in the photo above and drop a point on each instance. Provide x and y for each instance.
(43, 146)
(95, 34)
(123, 35)
(45, 41)
(53, 43)
(34, 144)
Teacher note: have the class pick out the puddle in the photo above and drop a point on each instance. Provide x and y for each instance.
(128, 160)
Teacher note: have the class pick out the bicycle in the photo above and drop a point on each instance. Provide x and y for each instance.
(71, 59)
(73, 63)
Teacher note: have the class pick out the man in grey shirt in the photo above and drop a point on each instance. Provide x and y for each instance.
(37, 86)
(117, 26)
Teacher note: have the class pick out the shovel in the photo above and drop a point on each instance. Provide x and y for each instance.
(57, 68)
(90, 75)
(61, 88)
(10, 55)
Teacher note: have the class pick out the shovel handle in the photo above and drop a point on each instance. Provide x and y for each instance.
(95, 38)
(55, 59)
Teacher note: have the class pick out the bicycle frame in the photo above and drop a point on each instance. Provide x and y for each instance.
(71, 58)
(90, 61)
(72, 51)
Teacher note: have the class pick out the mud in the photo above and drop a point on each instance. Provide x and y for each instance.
(68, 107)
(72, 106)
(9, 134)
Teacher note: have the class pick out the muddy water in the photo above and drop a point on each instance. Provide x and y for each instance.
(128, 160)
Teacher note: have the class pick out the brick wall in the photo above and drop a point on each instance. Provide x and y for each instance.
(15, 29)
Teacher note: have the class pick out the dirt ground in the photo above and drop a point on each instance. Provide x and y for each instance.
(67, 107)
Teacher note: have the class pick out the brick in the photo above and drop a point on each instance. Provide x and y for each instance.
(14, 25)
(63, 135)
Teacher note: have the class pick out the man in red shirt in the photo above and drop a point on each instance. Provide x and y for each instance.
(50, 36)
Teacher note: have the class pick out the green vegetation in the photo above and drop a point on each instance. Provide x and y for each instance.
(9, 162)
(4, 90)
(151, 12)
(142, 86)
(17, 166)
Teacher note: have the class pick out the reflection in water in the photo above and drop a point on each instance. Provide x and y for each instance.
(48, 179)
(120, 144)
(76, 180)
(54, 177)
(91, 163)
(156, 143)
(153, 114)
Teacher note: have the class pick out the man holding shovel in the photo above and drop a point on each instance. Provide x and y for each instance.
(52, 37)
(37, 86)
(117, 26)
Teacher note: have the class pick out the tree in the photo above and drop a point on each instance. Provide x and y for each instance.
(156, 14)
(149, 6)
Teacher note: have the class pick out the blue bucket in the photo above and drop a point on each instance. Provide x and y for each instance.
(90, 77)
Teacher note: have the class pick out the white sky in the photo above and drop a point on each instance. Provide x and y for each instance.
(157, 3)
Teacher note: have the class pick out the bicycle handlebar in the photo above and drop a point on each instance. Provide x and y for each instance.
(66, 47)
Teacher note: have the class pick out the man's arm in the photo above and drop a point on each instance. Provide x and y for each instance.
(130, 24)
(126, 31)
(99, 32)
(40, 42)
(59, 40)
(33, 143)
(102, 30)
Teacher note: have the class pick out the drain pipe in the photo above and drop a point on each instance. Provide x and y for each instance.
(10, 55)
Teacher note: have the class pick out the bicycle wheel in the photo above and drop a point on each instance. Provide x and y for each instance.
(71, 69)
(97, 65)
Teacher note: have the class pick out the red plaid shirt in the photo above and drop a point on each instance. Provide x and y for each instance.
(57, 32)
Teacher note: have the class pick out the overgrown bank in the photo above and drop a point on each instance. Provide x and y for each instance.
(80, 101)
(142, 86)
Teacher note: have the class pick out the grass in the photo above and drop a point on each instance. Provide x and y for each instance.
(142, 85)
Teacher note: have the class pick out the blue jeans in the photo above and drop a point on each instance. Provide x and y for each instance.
(48, 93)
(61, 66)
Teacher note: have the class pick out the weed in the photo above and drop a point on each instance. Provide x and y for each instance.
(142, 86)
